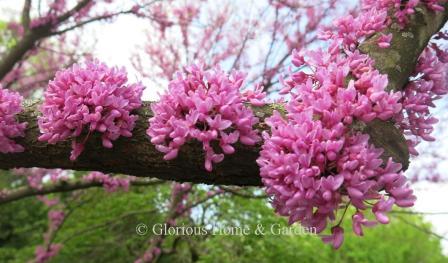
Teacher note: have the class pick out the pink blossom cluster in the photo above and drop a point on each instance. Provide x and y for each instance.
(10, 128)
(43, 254)
(179, 196)
(86, 99)
(58, 5)
(51, 17)
(56, 218)
(57, 8)
(16, 28)
(384, 40)
(36, 175)
(149, 255)
(48, 250)
(325, 92)
(178, 202)
(47, 201)
(429, 83)
(351, 30)
(313, 162)
(402, 9)
(208, 106)
(110, 184)
(310, 170)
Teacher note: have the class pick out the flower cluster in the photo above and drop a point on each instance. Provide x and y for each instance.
(86, 99)
(149, 255)
(110, 184)
(384, 40)
(350, 30)
(401, 9)
(178, 202)
(308, 169)
(56, 218)
(314, 161)
(206, 105)
(428, 84)
(48, 201)
(35, 176)
(10, 128)
(43, 254)
(179, 196)
(326, 93)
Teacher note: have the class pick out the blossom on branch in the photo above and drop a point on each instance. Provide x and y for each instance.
(85, 99)
(208, 106)
(10, 128)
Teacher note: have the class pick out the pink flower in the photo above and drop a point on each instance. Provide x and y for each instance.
(34, 176)
(312, 162)
(208, 106)
(434, 5)
(110, 184)
(87, 99)
(56, 218)
(255, 97)
(336, 238)
(43, 254)
(179, 196)
(358, 221)
(384, 40)
(381, 207)
(10, 127)
(428, 85)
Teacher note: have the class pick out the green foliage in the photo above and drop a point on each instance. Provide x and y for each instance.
(7, 39)
(395, 242)
(21, 227)
(101, 228)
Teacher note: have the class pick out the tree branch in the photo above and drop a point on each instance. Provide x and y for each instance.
(137, 156)
(399, 61)
(17, 52)
(26, 14)
(31, 37)
(59, 187)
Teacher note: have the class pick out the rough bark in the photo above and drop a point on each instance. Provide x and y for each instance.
(137, 156)
(407, 44)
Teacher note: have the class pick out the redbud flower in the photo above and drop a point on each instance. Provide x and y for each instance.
(336, 238)
(110, 184)
(56, 217)
(428, 85)
(208, 106)
(384, 40)
(10, 128)
(85, 99)
(359, 221)
(312, 162)
(43, 253)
